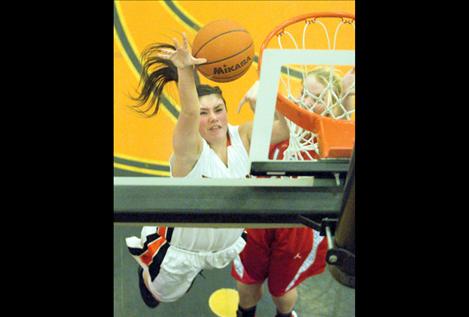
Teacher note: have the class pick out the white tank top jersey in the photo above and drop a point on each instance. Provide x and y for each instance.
(211, 166)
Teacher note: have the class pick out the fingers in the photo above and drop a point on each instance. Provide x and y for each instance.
(198, 61)
(184, 40)
(176, 43)
(164, 56)
(252, 93)
(167, 50)
(165, 53)
(241, 103)
(250, 96)
(181, 54)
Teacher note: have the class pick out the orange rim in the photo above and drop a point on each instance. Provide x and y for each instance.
(337, 136)
(280, 28)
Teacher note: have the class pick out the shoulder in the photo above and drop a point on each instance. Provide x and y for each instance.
(182, 165)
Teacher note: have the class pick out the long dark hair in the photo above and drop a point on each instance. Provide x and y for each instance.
(156, 73)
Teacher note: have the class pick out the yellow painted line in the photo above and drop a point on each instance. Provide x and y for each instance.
(129, 63)
(224, 302)
(129, 38)
(136, 159)
(126, 57)
(140, 170)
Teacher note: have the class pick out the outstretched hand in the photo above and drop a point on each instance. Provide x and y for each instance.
(181, 57)
(251, 97)
(348, 82)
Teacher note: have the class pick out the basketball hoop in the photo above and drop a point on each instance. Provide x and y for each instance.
(330, 131)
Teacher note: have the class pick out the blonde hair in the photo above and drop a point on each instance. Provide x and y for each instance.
(331, 79)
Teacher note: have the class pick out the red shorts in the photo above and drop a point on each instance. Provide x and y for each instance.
(285, 257)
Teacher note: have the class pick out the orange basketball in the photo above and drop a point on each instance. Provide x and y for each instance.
(228, 48)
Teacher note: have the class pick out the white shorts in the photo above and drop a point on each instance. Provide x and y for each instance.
(172, 270)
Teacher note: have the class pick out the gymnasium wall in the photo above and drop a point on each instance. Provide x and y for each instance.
(142, 146)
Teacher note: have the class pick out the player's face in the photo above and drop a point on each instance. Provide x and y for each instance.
(315, 88)
(213, 118)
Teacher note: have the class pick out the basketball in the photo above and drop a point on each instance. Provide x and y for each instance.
(228, 48)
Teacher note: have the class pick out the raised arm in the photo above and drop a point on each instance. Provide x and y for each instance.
(280, 129)
(187, 141)
(348, 83)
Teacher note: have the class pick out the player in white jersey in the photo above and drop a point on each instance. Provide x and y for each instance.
(204, 145)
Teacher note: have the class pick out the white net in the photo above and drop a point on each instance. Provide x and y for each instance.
(328, 90)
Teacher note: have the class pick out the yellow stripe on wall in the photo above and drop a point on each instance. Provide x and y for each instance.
(141, 170)
(137, 159)
(129, 38)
